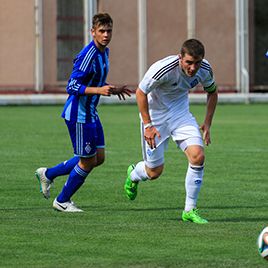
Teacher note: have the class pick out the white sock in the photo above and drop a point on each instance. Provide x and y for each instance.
(139, 173)
(193, 182)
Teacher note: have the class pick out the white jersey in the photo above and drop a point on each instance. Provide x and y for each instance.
(168, 86)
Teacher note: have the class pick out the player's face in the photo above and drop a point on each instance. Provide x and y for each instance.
(190, 64)
(102, 35)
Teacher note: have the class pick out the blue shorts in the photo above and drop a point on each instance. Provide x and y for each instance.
(86, 137)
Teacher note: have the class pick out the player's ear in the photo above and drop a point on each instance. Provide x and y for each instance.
(92, 30)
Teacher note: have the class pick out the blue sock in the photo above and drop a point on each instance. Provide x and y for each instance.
(63, 168)
(73, 183)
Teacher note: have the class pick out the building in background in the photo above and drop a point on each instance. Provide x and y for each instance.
(40, 38)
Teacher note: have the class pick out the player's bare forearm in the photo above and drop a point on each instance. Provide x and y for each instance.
(142, 102)
(104, 90)
(108, 90)
(150, 132)
(212, 100)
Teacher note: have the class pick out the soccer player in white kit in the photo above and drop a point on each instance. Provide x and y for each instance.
(162, 98)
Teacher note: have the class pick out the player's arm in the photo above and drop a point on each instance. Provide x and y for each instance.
(84, 72)
(149, 130)
(142, 102)
(104, 90)
(212, 99)
(108, 90)
(76, 87)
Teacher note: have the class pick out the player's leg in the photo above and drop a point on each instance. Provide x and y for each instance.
(194, 175)
(188, 138)
(100, 144)
(149, 169)
(138, 173)
(84, 139)
(145, 170)
(61, 169)
(193, 183)
(46, 176)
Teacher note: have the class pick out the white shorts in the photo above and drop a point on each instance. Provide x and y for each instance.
(185, 135)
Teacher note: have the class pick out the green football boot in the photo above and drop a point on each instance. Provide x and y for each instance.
(193, 216)
(130, 186)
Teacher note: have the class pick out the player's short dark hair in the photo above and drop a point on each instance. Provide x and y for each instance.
(193, 47)
(101, 19)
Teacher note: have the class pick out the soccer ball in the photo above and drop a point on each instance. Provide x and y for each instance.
(263, 243)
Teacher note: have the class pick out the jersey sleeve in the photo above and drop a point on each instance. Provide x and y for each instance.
(150, 81)
(83, 69)
(208, 83)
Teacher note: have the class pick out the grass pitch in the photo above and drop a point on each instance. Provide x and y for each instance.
(147, 232)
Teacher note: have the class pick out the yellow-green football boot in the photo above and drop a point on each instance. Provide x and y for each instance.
(193, 216)
(131, 187)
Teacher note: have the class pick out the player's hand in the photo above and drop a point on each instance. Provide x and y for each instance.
(105, 90)
(121, 92)
(149, 136)
(206, 133)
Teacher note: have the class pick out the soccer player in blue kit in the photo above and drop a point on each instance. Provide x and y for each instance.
(85, 86)
(162, 98)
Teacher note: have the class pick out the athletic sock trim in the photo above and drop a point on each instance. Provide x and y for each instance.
(80, 171)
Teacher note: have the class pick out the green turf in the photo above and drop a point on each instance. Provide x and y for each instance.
(147, 232)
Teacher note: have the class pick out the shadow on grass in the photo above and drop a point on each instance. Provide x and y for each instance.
(264, 206)
(102, 208)
(239, 219)
(228, 219)
(224, 220)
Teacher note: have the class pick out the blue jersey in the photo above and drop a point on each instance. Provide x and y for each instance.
(90, 69)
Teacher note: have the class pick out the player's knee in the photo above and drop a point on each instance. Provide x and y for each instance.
(88, 164)
(154, 173)
(198, 159)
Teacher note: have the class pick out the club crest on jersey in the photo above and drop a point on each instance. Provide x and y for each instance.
(149, 152)
(194, 83)
(88, 147)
